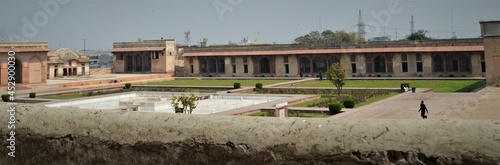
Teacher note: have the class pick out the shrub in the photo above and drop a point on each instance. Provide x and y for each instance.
(32, 95)
(90, 93)
(6, 97)
(258, 86)
(405, 85)
(237, 85)
(128, 85)
(334, 108)
(320, 75)
(349, 103)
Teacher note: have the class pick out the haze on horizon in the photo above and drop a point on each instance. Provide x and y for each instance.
(66, 23)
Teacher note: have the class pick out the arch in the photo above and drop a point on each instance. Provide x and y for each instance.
(138, 63)
(264, 65)
(35, 71)
(221, 66)
(147, 63)
(319, 64)
(203, 65)
(464, 61)
(212, 65)
(305, 65)
(379, 64)
(451, 63)
(129, 63)
(438, 63)
(333, 60)
(18, 71)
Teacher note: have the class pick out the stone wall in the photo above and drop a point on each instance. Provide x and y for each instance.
(69, 136)
(100, 71)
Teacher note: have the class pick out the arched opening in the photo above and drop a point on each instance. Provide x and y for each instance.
(319, 65)
(138, 63)
(379, 64)
(451, 63)
(18, 71)
(332, 61)
(203, 65)
(212, 65)
(305, 65)
(264, 65)
(222, 67)
(147, 63)
(464, 63)
(129, 63)
(438, 63)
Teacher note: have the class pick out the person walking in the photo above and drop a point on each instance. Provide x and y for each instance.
(422, 110)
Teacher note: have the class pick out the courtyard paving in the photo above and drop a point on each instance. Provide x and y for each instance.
(484, 104)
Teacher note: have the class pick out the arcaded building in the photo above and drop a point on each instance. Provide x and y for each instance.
(145, 56)
(30, 62)
(447, 58)
(64, 63)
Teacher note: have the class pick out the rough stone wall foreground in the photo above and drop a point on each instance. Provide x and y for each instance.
(69, 136)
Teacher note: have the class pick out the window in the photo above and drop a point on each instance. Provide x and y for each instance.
(233, 60)
(287, 69)
(192, 68)
(405, 67)
(154, 55)
(353, 67)
(483, 63)
(420, 67)
(438, 63)
(404, 63)
(245, 60)
(245, 68)
(221, 66)
(285, 59)
(234, 68)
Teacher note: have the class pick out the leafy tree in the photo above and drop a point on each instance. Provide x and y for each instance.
(328, 37)
(418, 35)
(187, 102)
(337, 76)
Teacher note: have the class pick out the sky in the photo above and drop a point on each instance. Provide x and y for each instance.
(98, 23)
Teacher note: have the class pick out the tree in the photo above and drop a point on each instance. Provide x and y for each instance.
(187, 102)
(418, 35)
(337, 76)
(328, 37)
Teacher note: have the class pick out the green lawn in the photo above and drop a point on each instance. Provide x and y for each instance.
(436, 85)
(65, 97)
(248, 83)
(306, 103)
(292, 114)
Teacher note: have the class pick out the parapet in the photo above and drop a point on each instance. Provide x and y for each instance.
(69, 136)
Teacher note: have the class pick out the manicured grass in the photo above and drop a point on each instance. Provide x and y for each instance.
(65, 97)
(248, 83)
(306, 103)
(436, 85)
(324, 98)
(292, 114)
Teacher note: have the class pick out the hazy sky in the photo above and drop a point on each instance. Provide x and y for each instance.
(66, 23)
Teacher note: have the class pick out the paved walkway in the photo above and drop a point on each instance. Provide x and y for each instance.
(484, 104)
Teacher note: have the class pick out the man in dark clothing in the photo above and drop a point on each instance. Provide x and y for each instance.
(422, 110)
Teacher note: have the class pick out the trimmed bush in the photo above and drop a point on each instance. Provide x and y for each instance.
(349, 103)
(405, 85)
(334, 108)
(236, 85)
(6, 97)
(258, 86)
(32, 95)
(128, 85)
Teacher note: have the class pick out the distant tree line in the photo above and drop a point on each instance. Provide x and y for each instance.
(329, 37)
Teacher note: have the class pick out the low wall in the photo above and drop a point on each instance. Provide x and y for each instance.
(100, 71)
(68, 136)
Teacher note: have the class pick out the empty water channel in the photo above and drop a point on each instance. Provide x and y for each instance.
(161, 102)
